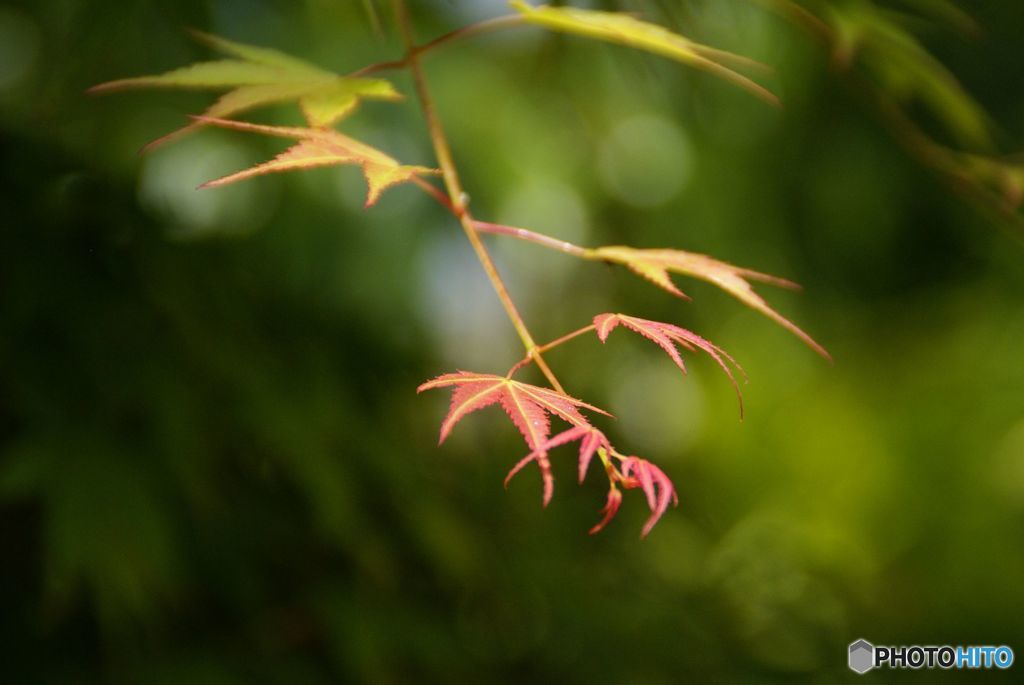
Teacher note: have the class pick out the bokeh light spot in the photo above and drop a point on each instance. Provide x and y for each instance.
(645, 161)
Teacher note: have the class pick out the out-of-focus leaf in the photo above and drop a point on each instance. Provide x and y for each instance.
(327, 105)
(901, 76)
(224, 73)
(947, 12)
(258, 77)
(624, 29)
(904, 69)
(108, 531)
(656, 264)
(322, 147)
(255, 53)
(370, 9)
(996, 183)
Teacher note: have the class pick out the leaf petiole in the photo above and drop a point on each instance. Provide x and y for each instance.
(485, 26)
(548, 347)
(533, 237)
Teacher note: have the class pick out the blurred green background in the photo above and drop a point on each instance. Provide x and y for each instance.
(213, 465)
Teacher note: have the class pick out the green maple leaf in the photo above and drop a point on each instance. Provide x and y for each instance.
(255, 77)
(623, 29)
(656, 264)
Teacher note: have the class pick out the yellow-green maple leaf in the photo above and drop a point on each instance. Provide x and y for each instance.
(624, 29)
(656, 264)
(257, 76)
(899, 63)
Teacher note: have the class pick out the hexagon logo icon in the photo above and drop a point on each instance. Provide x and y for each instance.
(862, 656)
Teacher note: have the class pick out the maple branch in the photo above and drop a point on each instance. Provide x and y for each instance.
(503, 229)
(550, 346)
(533, 237)
(656, 264)
(457, 196)
(485, 26)
(537, 239)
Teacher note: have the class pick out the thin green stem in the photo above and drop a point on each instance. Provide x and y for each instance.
(485, 26)
(550, 346)
(457, 196)
(387, 65)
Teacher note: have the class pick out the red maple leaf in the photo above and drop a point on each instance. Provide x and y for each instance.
(667, 336)
(527, 405)
(590, 439)
(610, 509)
(640, 473)
(632, 472)
(530, 407)
(655, 265)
